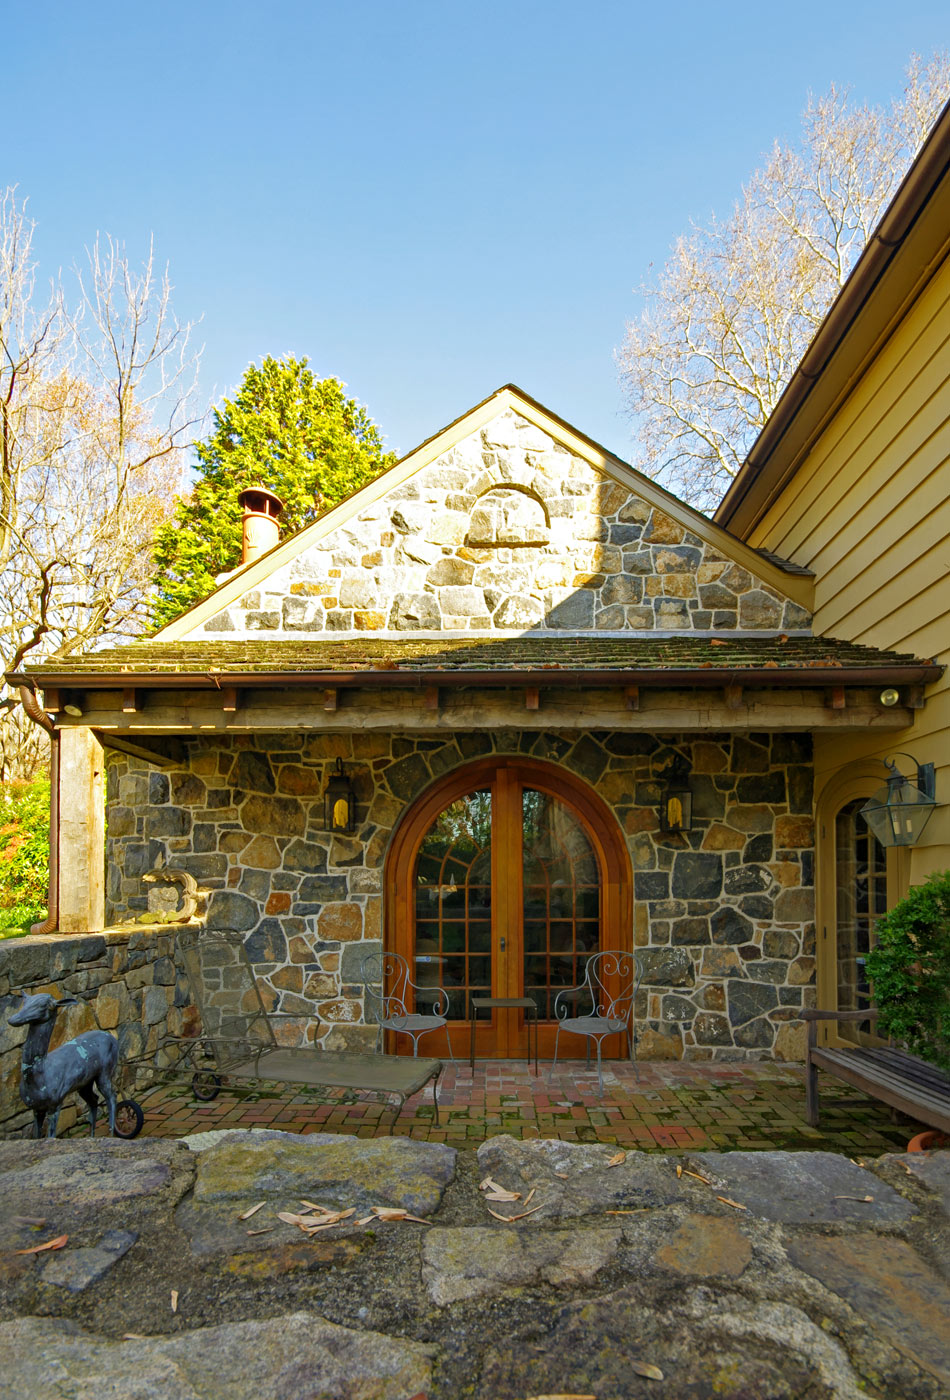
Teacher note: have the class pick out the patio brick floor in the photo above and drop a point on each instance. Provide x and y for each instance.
(667, 1107)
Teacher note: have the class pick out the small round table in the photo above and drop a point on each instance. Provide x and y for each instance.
(526, 1004)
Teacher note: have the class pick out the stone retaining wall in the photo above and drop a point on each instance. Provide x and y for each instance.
(125, 981)
(723, 915)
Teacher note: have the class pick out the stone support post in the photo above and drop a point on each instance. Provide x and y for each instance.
(80, 848)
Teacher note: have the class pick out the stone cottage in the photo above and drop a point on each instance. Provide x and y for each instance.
(561, 709)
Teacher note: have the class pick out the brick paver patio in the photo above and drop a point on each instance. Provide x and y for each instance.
(664, 1107)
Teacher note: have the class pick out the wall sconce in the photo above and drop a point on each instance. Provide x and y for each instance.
(339, 802)
(899, 811)
(676, 804)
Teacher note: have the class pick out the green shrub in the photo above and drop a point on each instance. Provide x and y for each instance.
(910, 970)
(24, 843)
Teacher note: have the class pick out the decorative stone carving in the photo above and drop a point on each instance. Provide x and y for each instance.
(163, 896)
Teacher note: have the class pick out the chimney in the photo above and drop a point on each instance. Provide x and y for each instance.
(261, 530)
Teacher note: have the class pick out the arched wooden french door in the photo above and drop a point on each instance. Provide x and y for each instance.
(500, 880)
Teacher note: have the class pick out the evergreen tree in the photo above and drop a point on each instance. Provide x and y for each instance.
(299, 436)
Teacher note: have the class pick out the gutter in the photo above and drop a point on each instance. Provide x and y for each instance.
(38, 715)
(913, 193)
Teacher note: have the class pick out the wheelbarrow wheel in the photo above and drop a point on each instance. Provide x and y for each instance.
(129, 1119)
(205, 1085)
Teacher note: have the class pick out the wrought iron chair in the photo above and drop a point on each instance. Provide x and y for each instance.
(392, 995)
(609, 988)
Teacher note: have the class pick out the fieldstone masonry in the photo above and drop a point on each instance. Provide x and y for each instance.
(723, 915)
(508, 531)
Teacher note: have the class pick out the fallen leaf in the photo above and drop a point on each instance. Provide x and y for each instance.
(58, 1243)
(617, 1158)
(634, 1210)
(34, 1221)
(853, 1198)
(643, 1368)
(562, 1175)
(311, 1205)
(704, 1179)
(735, 1204)
(562, 1395)
(389, 1212)
(503, 1195)
(527, 1199)
(264, 1231)
(509, 1218)
(135, 1337)
(289, 1218)
(174, 1300)
(679, 1169)
(253, 1211)
(367, 1220)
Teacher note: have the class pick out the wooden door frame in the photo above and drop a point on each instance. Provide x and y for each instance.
(600, 825)
(861, 779)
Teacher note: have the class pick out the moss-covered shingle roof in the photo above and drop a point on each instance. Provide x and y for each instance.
(553, 660)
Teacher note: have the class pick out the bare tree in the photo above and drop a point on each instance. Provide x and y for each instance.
(99, 460)
(738, 302)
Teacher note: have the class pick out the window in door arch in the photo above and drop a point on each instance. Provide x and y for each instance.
(860, 900)
(500, 880)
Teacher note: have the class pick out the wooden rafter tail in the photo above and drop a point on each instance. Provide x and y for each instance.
(632, 696)
(431, 697)
(229, 699)
(532, 698)
(330, 699)
(836, 699)
(130, 700)
(733, 696)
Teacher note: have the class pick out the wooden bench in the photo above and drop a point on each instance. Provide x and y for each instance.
(897, 1078)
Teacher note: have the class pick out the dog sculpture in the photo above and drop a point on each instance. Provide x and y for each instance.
(84, 1064)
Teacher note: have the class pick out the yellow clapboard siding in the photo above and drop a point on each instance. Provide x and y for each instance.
(869, 512)
(911, 368)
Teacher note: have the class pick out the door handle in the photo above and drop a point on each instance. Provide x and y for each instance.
(501, 945)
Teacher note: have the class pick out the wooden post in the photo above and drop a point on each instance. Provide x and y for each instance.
(81, 848)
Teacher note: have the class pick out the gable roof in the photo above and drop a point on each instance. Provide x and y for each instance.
(791, 582)
(910, 242)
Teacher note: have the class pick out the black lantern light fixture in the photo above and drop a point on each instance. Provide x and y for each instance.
(676, 801)
(339, 802)
(899, 811)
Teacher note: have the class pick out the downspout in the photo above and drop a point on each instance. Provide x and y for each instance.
(38, 715)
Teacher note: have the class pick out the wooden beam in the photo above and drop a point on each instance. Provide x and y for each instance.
(81, 835)
(431, 698)
(914, 697)
(532, 698)
(52, 700)
(329, 699)
(836, 698)
(139, 750)
(632, 694)
(130, 700)
(733, 696)
(229, 699)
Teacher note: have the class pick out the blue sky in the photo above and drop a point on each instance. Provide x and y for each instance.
(427, 199)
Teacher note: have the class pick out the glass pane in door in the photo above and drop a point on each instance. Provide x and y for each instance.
(453, 902)
(561, 899)
(861, 899)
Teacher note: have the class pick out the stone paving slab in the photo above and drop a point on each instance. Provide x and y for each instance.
(629, 1265)
(287, 1358)
(281, 1169)
(803, 1188)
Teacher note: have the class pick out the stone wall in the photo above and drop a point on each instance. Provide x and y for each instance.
(723, 915)
(125, 981)
(508, 531)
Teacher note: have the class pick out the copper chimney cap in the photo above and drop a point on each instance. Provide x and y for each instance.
(261, 529)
